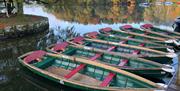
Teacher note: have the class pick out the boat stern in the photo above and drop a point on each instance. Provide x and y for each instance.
(168, 68)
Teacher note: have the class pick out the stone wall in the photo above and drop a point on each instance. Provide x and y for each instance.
(24, 29)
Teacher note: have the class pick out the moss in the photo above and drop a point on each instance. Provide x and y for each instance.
(18, 20)
(21, 25)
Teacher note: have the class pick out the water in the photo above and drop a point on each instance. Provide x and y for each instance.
(80, 19)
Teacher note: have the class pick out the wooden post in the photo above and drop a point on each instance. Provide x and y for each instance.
(178, 73)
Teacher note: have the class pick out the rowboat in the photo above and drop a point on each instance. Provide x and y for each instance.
(117, 47)
(129, 41)
(139, 66)
(83, 74)
(137, 36)
(149, 27)
(145, 32)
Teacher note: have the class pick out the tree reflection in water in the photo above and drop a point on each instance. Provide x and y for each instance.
(82, 14)
(12, 48)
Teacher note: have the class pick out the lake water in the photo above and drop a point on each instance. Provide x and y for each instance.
(80, 19)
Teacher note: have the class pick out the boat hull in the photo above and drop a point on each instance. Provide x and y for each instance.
(145, 72)
(65, 82)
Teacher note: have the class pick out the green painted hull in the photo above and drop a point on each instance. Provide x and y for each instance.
(125, 34)
(153, 57)
(35, 68)
(57, 81)
(134, 30)
(166, 32)
(133, 42)
(142, 71)
(135, 66)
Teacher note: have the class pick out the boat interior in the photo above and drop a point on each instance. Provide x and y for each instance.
(107, 58)
(130, 42)
(117, 49)
(86, 74)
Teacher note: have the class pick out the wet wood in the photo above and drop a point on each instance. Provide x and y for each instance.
(118, 71)
(142, 35)
(77, 77)
(125, 45)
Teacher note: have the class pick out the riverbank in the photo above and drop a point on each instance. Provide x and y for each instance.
(21, 25)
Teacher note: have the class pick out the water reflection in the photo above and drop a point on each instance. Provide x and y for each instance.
(91, 18)
(10, 78)
(71, 20)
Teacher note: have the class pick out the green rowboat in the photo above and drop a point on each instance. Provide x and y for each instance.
(137, 36)
(129, 41)
(121, 48)
(83, 74)
(139, 66)
(145, 32)
(149, 27)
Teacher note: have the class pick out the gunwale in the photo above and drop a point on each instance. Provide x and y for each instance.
(151, 32)
(142, 35)
(84, 61)
(158, 53)
(154, 39)
(162, 31)
(125, 45)
(155, 47)
(125, 55)
(111, 53)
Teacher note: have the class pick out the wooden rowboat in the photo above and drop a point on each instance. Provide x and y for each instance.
(137, 36)
(129, 41)
(149, 27)
(116, 47)
(145, 32)
(83, 74)
(139, 66)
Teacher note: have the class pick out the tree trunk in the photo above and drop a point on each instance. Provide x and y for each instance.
(19, 7)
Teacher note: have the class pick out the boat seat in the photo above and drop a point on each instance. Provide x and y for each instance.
(130, 37)
(142, 45)
(123, 62)
(146, 26)
(127, 27)
(95, 57)
(80, 67)
(107, 29)
(74, 71)
(136, 52)
(111, 48)
(44, 63)
(146, 33)
(76, 78)
(34, 56)
(107, 80)
(78, 40)
(93, 34)
(60, 46)
(123, 42)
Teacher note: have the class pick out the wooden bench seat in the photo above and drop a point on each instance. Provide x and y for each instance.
(80, 78)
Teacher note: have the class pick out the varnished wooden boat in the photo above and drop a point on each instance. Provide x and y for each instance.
(139, 66)
(137, 36)
(129, 41)
(83, 74)
(149, 27)
(121, 48)
(146, 32)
